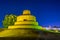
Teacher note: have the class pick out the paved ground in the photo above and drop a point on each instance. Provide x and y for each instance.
(19, 38)
(41, 35)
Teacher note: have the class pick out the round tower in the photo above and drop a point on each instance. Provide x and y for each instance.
(26, 20)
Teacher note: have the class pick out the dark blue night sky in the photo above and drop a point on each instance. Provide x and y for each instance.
(47, 12)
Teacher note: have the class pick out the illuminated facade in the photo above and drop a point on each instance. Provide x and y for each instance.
(26, 20)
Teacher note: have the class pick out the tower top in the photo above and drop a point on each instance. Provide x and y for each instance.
(26, 12)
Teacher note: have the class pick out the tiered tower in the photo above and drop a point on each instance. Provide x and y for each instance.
(26, 20)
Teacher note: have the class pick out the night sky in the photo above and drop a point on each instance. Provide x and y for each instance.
(47, 12)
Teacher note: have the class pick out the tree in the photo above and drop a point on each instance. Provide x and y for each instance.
(9, 20)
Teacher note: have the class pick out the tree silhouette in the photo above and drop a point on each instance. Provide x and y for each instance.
(9, 20)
